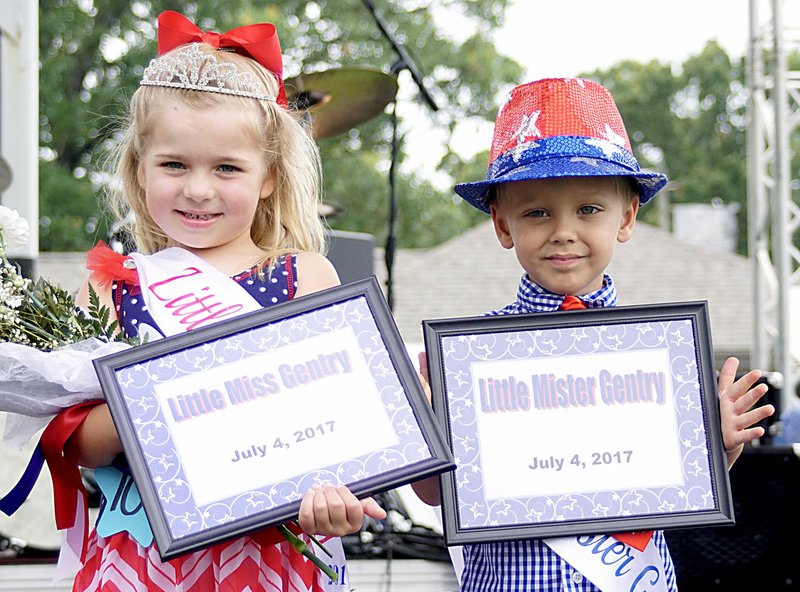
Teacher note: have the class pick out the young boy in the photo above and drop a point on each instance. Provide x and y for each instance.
(562, 188)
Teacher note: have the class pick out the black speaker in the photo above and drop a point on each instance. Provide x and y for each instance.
(351, 254)
(758, 553)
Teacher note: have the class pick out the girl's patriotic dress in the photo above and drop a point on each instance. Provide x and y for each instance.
(118, 561)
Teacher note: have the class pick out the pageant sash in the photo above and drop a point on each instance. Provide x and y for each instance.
(183, 292)
(612, 565)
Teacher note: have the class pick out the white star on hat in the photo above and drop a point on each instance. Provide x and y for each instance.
(528, 127)
(609, 149)
(614, 137)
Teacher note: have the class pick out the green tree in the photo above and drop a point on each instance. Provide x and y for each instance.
(93, 53)
(690, 123)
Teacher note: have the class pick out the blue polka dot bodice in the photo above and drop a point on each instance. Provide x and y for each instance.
(266, 289)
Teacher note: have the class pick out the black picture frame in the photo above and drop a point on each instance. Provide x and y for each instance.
(358, 408)
(529, 402)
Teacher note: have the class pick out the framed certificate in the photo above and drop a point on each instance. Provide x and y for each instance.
(226, 427)
(592, 421)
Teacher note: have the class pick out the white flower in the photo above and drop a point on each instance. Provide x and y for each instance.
(14, 229)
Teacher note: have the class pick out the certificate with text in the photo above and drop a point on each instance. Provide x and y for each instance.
(591, 421)
(226, 427)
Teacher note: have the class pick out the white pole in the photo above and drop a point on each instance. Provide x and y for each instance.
(19, 118)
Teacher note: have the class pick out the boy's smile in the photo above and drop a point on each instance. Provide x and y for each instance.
(563, 230)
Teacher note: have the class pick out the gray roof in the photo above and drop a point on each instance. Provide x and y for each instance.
(472, 274)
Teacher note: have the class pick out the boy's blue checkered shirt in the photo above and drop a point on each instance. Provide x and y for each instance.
(530, 565)
(532, 298)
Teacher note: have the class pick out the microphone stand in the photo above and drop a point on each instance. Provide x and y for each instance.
(404, 62)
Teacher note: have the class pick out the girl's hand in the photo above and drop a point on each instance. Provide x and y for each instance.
(334, 511)
(736, 400)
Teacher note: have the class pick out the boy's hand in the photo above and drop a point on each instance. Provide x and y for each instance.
(423, 374)
(334, 511)
(428, 489)
(736, 400)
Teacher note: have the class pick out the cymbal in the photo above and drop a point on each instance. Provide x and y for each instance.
(340, 99)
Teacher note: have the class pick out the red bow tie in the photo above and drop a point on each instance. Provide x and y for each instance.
(259, 42)
(572, 303)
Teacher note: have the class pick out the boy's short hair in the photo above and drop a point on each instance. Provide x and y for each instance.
(559, 127)
(625, 186)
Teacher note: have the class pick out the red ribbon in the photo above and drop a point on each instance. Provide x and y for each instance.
(273, 536)
(67, 483)
(108, 266)
(259, 42)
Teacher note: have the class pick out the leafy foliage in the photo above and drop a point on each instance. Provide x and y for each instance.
(44, 315)
(690, 123)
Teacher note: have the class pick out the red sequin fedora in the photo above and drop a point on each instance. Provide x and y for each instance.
(560, 127)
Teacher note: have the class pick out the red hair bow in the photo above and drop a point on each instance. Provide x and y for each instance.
(259, 42)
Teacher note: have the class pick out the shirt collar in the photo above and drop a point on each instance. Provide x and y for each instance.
(534, 298)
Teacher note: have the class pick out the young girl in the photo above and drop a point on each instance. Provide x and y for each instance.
(222, 180)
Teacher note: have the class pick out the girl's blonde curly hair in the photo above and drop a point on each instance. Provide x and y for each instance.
(286, 222)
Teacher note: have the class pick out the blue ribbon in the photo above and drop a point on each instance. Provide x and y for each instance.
(11, 502)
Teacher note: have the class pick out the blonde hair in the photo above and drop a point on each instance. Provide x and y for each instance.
(287, 221)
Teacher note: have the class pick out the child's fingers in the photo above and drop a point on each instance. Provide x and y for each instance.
(351, 516)
(306, 517)
(335, 511)
(423, 365)
(372, 509)
(320, 509)
(744, 386)
(727, 374)
(744, 436)
(754, 416)
(745, 401)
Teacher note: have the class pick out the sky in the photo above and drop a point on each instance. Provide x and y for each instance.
(564, 38)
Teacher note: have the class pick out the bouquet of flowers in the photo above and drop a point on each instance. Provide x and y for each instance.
(47, 343)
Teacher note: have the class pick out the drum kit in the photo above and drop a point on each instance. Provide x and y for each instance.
(335, 101)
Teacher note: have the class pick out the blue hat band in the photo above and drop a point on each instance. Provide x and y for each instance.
(562, 156)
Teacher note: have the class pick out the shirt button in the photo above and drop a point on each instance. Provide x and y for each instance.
(577, 577)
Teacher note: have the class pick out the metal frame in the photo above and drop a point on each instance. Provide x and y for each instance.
(773, 210)
(462, 350)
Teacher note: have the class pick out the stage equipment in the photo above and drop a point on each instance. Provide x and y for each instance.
(398, 536)
(757, 553)
(404, 62)
(351, 254)
(340, 99)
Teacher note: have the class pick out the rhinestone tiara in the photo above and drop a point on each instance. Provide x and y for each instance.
(191, 68)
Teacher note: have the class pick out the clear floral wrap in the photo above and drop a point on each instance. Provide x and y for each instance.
(47, 343)
(36, 385)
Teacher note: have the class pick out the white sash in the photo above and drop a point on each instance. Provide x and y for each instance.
(183, 292)
(611, 565)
